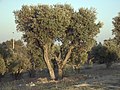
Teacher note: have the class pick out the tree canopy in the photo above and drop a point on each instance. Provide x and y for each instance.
(116, 30)
(43, 25)
(16, 59)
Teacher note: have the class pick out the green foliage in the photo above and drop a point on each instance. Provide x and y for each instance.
(78, 57)
(116, 30)
(6, 50)
(19, 60)
(19, 63)
(2, 66)
(98, 53)
(36, 57)
(84, 29)
(104, 53)
(112, 46)
(43, 25)
(109, 51)
(43, 22)
(16, 60)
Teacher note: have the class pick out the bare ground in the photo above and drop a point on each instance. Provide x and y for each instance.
(89, 78)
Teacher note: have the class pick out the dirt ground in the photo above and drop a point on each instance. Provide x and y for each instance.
(96, 77)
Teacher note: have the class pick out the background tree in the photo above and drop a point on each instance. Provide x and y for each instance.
(16, 59)
(19, 63)
(5, 50)
(112, 46)
(113, 54)
(104, 53)
(2, 67)
(43, 25)
(98, 53)
(116, 30)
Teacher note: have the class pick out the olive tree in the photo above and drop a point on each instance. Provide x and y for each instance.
(105, 53)
(16, 59)
(116, 30)
(44, 25)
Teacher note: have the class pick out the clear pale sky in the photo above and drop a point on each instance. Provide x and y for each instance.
(106, 10)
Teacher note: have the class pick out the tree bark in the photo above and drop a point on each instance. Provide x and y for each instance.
(48, 63)
(67, 57)
(60, 73)
(61, 66)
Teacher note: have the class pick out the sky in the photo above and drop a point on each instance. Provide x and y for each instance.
(106, 11)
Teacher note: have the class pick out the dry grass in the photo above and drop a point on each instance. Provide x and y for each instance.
(95, 78)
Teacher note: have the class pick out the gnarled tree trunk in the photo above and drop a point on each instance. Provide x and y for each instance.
(48, 63)
(60, 73)
(61, 67)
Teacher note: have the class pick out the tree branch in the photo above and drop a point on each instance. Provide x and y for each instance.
(67, 57)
